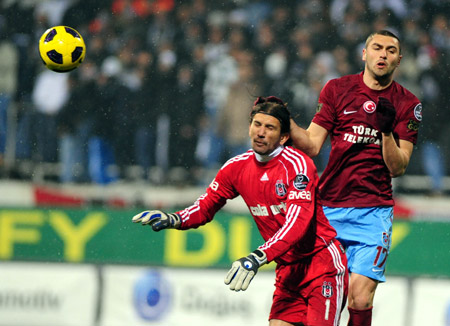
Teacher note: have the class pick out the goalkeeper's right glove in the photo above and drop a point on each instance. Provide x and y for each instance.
(158, 220)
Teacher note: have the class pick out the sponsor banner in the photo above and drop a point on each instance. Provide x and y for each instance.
(430, 303)
(172, 297)
(91, 236)
(47, 294)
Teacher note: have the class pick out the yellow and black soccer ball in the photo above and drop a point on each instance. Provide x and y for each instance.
(62, 48)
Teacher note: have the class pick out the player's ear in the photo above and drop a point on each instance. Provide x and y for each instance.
(364, 55)
(399, 59)
(284, 138)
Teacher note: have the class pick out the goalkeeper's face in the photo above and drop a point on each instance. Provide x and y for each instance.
(265, 134)
(382, 56)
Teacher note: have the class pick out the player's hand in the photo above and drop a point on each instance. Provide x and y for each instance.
(243, 270)
(385, 115)
(158, 220)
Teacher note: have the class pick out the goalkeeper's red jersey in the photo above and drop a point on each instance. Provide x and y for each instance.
(282, 198)
(356, 175)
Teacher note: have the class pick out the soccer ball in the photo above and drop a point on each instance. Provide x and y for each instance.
(62, 48)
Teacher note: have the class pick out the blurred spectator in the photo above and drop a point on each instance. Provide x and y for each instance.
(234, 115)
(221, 72)
(50, 94)
(397, 7)
(75, 125)
(164, 81)
(8, 84)
(185, 120)
(144, 114)
(109, 96)
(161, 30)
(434, 133)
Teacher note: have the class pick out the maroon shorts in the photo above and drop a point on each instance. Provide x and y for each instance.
(312, 292)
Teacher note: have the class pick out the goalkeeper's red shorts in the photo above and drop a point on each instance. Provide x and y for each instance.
(312, 292)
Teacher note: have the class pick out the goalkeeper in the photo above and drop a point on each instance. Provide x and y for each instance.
(279, 185)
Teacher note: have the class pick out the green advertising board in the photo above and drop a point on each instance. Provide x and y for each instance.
(109, 237)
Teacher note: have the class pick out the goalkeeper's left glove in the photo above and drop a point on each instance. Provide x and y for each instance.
(243, 270)
(385, 115)
(158, 220)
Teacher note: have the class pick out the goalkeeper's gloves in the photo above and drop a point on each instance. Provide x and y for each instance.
(385, 115)
(158, 220)
(243, 270)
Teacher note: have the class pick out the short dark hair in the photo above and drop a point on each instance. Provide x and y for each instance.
(275, 107)
(384, 32)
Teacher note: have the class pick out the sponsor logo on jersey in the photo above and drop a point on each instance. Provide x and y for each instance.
(214, 185)
(327, 289)
(349, 112)
(301, 181)
(278, 209)
(369, 106)
(413, 125)
(418, 111)
(259, 210)
(280, 188)
(262, 210)
(306, 195)
(363, 135)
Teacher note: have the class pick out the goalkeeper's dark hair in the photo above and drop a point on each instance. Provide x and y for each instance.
(274, 107)
(384, 32)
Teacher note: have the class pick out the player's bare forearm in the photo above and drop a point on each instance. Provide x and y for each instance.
(309, 141)
(396, 157)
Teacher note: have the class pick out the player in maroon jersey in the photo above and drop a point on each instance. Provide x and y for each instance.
(279, 186)
(372, 122)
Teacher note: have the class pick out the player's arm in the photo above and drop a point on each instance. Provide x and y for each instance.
(396, 157)
(310, 140)
(200, 213)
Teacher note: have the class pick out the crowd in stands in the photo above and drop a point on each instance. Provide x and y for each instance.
(166, 86)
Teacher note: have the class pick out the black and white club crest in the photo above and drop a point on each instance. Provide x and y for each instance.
(280, 188)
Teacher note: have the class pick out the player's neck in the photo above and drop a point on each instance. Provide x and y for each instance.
(268, 157)
(377, 84)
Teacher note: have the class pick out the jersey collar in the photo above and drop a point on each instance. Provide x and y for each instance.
(266, 158)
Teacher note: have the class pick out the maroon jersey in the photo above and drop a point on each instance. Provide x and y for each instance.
(356, 175)
(282, 198)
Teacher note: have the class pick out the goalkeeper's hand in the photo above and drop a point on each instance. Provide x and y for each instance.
(158, 220)
(243, 270)
(385, 115)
